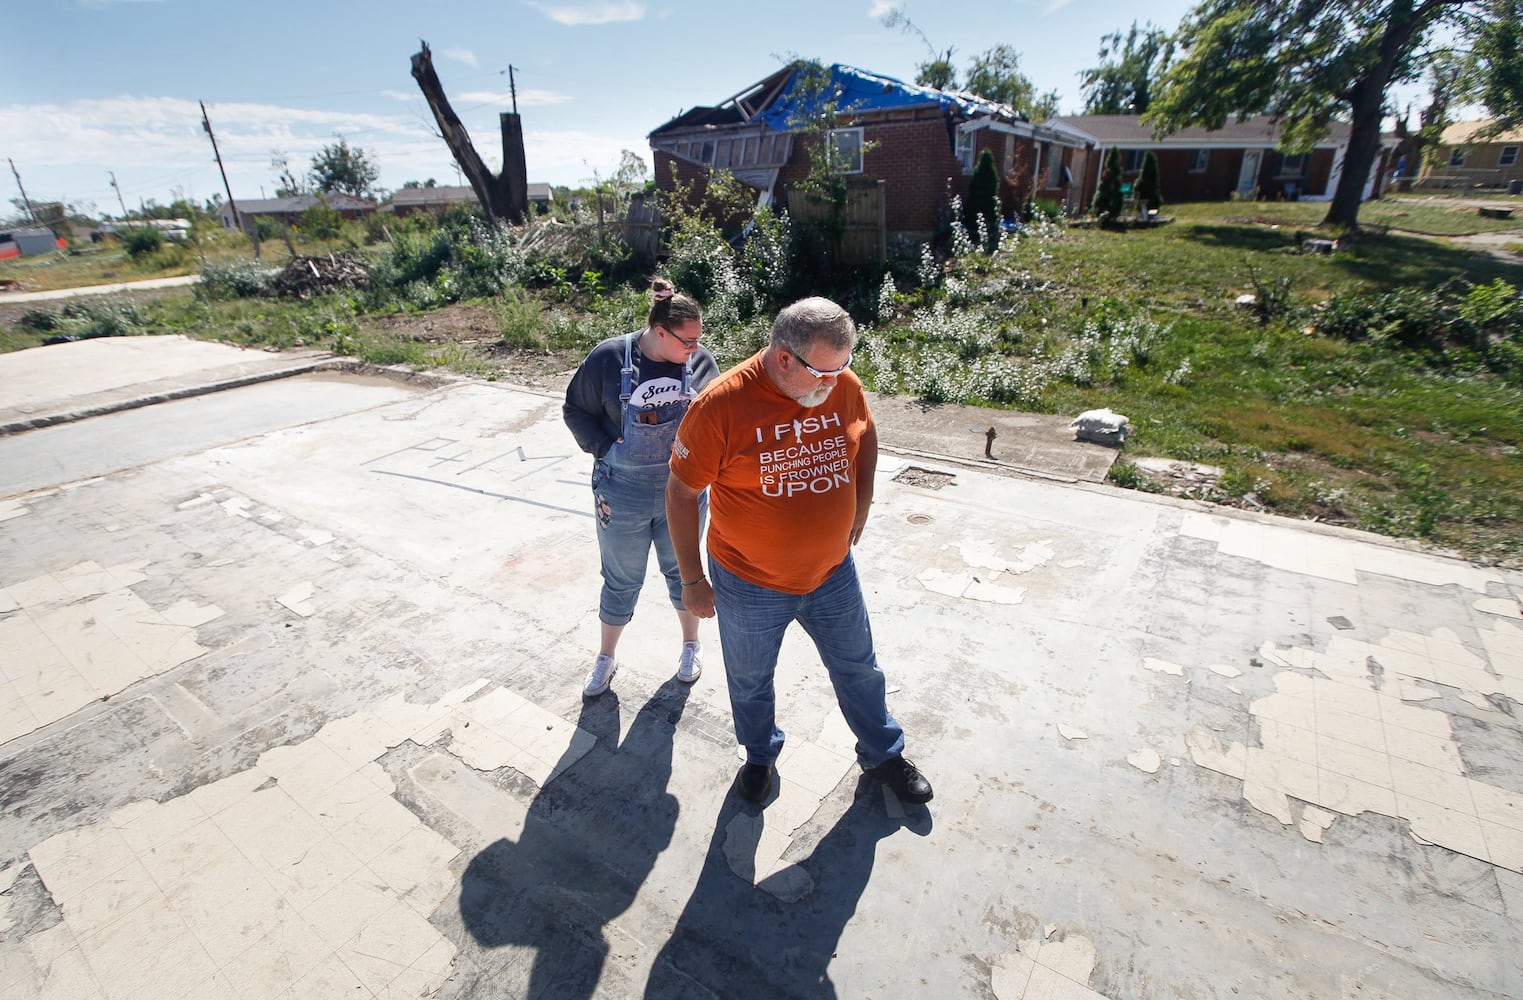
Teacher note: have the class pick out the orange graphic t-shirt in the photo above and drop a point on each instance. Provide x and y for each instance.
(781, 476)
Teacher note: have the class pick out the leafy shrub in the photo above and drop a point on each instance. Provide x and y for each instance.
(321, 221)
(38, 320)
(466, 257)
(766, 257)
(142, 241)
(235, 279)
(87, 319)
(1455, 323)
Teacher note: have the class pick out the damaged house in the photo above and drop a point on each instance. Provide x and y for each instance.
(914, 146)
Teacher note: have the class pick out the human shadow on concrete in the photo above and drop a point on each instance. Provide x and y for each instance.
(743, 941)
(590, 839)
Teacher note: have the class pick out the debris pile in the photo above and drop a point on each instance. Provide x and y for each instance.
(305, 277)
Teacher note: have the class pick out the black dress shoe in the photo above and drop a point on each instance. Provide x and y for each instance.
(904, 778)
(755, 781)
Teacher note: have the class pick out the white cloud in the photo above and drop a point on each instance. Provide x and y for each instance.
(156, 145)
(504, 98)
(460, 55)
(880, 7)
(1053, 6)
(578, 14)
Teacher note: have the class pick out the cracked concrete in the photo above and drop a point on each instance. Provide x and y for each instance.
(311, 725)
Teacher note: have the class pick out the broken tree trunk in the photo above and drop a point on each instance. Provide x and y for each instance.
(505, 196)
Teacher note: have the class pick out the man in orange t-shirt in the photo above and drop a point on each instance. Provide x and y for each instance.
(785, 444)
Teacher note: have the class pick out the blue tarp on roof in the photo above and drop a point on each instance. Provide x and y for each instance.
(857, 90)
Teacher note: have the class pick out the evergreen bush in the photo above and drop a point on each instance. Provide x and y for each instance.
(1107, 204)
(983, 199)
(1148, 190)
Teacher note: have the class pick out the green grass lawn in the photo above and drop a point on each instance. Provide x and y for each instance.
(1358, 433)
(1366, 433)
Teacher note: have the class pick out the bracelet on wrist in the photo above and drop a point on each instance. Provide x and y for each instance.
(695, 582)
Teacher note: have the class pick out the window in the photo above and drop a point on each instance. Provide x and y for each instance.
(1509, 156)
(964, 151)
(1457, 158)
(1133, 160)
(1293, 165)
(845, 145)
(1199, 160)
(1054, 167)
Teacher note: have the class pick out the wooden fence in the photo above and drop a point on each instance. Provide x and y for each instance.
(864, 241)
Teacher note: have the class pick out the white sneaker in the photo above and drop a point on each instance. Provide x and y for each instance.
(600, 676)
(690, 663)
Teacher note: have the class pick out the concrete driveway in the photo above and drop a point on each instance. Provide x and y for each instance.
(291, 708)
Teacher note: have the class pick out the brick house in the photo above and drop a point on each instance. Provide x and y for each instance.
(1238, 160)
(919, 143)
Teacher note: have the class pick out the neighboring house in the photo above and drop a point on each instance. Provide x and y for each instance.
(919, 144)
(437, 200)
(287, 211)
(176, 230)
(540, 196)
(1238, 160)
(30, 242)
(1464, 159)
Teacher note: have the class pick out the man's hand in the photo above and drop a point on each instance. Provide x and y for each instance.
(860, 521)
(699, 599)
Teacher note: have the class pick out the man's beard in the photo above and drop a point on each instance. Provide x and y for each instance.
(815, 396)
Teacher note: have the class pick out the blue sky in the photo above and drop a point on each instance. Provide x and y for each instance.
(98, 86)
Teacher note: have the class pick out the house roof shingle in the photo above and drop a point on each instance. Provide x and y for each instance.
(1463, 134)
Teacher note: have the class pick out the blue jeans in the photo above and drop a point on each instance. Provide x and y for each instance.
(752, 621)
(630, 506)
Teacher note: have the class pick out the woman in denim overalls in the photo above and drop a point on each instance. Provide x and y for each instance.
(623, 406)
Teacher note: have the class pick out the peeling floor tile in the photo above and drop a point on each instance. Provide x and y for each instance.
(314, 881)
(1146, 759)
(1071, 732)
(1314, 822)
(1502, 607)
(1226, 670)
(298, 599)
(1163, 666)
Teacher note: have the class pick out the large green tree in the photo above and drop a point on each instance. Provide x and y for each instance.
(343, 168)
(996, 74)
(1311, 62)
(1130, 66)
(937, 71)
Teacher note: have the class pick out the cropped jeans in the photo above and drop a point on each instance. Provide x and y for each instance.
(752, 621)
(629, 503)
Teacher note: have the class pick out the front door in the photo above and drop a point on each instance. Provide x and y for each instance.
(1248, 178)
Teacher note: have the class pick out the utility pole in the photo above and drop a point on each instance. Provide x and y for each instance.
(118, 187)
(30, 211)
(512, 88)
(206, 123)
